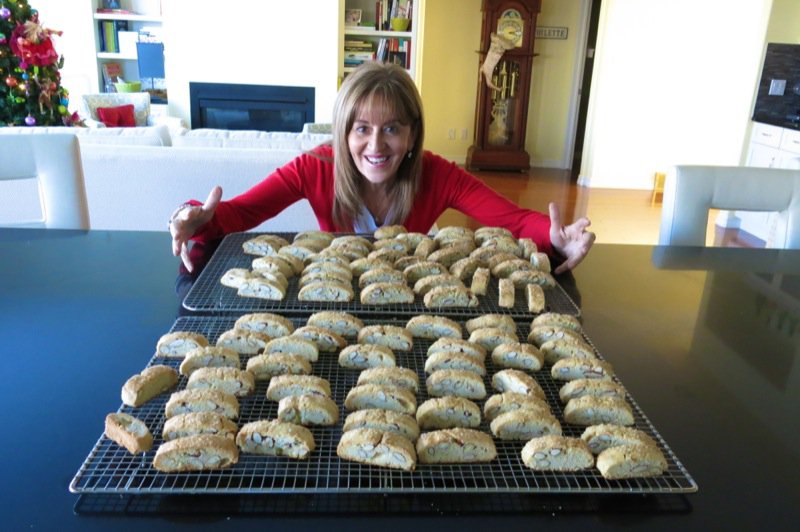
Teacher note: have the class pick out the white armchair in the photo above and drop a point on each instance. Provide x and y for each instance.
(141, 109)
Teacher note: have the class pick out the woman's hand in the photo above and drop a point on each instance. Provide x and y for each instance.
(572, 241)
(185, 222)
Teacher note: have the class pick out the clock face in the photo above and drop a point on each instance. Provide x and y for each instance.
(510, 26)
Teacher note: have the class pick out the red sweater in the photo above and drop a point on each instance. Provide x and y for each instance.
(444, 185)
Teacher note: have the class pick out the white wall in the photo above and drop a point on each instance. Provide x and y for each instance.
(673, 84)
(252, 42)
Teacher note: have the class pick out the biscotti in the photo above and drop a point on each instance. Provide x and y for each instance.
(501, 403)
(518, 355)
(341, 323)
(264, 245)
(524, 278)
(177, 344)
(450, 296)
(209, 357)
(196, 453)
(293, 345)
(402, 377)
(325, 339)
(193, 423)
(604, 436)
(448, 412)
(389, 231)
(465, 268)
(491, 337)
(631, 461)
(451, 360)
(514, 380)
(286, 385)
(364, 356)
(455, 446)
(480, 281)
(244, 341)
(383, 420)
(557, 319)
(569, 369)
(542, 333)
(129, 432)
(235, 277)
(230, 380)
(534, 296)
(456, 345)
(555, 350)
(186, 401)
(433, 327)
(456, 382)
(386, 294)
(321, 291)
(557, 453)
(308, 409)
(428, 283)
(505, 293)
(148, 384)
(591, 410)
(482, 234)
(270, 324)
(273, 263)
(275, 438)
(378, 448)
(392, 336)
(425, 268)
(524, 424)
(381, 275)
(261, 288)
(264, 367)
(330, 276)
(596, 387)
(383, 396)
(360, 266)
(496, 321)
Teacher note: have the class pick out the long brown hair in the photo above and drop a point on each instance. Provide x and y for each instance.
(388, 85)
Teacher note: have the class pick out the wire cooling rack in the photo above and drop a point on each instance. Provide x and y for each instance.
(209, 295)
(111, 469)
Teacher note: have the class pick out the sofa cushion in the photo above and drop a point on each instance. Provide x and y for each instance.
(120, 116)
(117, 136)
(248, 139)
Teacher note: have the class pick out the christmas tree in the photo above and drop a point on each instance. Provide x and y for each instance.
(30, 83)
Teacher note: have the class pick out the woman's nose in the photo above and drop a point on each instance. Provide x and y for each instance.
(376, 139)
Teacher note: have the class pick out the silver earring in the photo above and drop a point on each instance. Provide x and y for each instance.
(410, 154)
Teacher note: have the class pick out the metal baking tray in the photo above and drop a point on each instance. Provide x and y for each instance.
(111, 469)
(208, 295)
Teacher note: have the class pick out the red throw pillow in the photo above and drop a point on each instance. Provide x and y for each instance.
(121, 116)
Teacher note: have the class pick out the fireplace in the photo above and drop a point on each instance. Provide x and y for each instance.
(258, 107)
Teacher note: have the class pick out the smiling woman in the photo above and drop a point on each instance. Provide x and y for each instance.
(377, 173)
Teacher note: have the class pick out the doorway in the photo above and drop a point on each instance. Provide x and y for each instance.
(586, 84)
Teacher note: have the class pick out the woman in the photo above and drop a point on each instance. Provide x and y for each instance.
(375, 172)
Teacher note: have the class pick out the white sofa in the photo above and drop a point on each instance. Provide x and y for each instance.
(135, 177)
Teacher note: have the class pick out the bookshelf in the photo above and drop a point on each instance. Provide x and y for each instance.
(359, 41)
(116, 35)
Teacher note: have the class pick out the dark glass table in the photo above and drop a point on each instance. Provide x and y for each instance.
(705, 339)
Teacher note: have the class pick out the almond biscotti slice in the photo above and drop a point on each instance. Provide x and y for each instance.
(364, 356)
(386, 294)
(451, 360)
(261, 288)
(235, 277)
(315, 234)
(293, 345)
(569, 369)
(383, 420)
(456, 382)
(235, 381)
(286, 385)
(186, 401)
(331, 267)
(200, 452)
(392, 243)
(596, 387)
(465, 268)
(504, 269)
(330, 255)
(482, 234)
(276, 438)
(299, 251)
(514, 380)
(394, 398)
(270, 324)
(497, 321)
(631, 461)
(557, 453)
(425, 248)
(387, 254)
(453, 232)
(490, 337)
(503, 244)
(264, 245)
(518, 355)
(455, 446)
(341, 323)
(450, 254)
(425, 268)
(524, 424)
(557, 319)
(449, 297)
(555, 350)
(392, 336)
(413, 239)
(378, 448)
(480, 281)
(501, 403)
(325, 339)
(543, 333)
(499, 257)
(534, 296)
(209, 357)
(381, 275)
(273, 263)
(604, 436)
(528, 247)
(326, 291)
(325, 277)
(523, 278)
(129, 432)
(361, 266)
(591, 410)
(403, 262)
(541, 261)
(428, 283)
(396, 376)
(268, 365)
(389, 231)
(193, 423)
(433, 327)
(506, 293)
(148, 384)
(243, 341)
(177, 344)
(309, 409)
(447, 413)
(457, 345)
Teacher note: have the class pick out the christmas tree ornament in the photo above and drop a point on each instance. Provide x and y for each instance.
(5, 12)
(11, 81)
(30, 121)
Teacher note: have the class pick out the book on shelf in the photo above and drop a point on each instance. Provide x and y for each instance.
(111, 73)
(114, 11)
(109, 34)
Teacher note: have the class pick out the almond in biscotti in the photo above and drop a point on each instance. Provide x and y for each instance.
(457, 345)
(324, 339)
(230, 380)
(364, 356)
(273, 263)
(413, 239)
(631, 461)
(326, 291)
(541, 334)
(342, 323)
(450, 297)
(425, 268)
(270, 324)
(193, 423)
(347, 240)
(378, 448)
(298, 251)
(384, 421)
(568, 369)
(557, 453)
(482, 234)
(597, 387)
(186, 401)
(404, 262)
(286, 385)
(433, 327)
(264, 245)
(330, 255)
(325, 277)
(455, 446)
(393, 336)
(501, 403)
(261, 288)
(386, 294)
(235, 277)
(276, 438)
(381, 275)
(200, 452)
(314, 234)
(129, 432)
(268, 365)
(386, 254)
(395, 398)
(453, 232)
(514, 380)
(308, 410)
(524, 424)
(465, 268)
(177, 344)
(450, 254)
(525, 277)
(389, 231)
(490, 337)
(591, 410)
(557, 319)
(391, 376)
(455, 382)
(293, 345)
(499, 321)
(448, 412)
(314, 244)
(330, 267)
(450, 360)
(391, 243)
(211, 356)
(243, 341)
(604, 436)
(555, 350)
(498, 258)
(503, 244)
(518, 355)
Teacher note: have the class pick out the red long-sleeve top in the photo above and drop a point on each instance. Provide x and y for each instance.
(444, 185)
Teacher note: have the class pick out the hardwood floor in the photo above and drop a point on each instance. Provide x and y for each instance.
(618, 216)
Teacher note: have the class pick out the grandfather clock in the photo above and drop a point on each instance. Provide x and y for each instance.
(501, 113)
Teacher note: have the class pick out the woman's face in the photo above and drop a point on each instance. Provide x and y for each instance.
(378, 143)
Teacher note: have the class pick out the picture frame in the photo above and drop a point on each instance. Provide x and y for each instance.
(352, 17)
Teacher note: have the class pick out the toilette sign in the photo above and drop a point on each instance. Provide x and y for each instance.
(551, 32)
